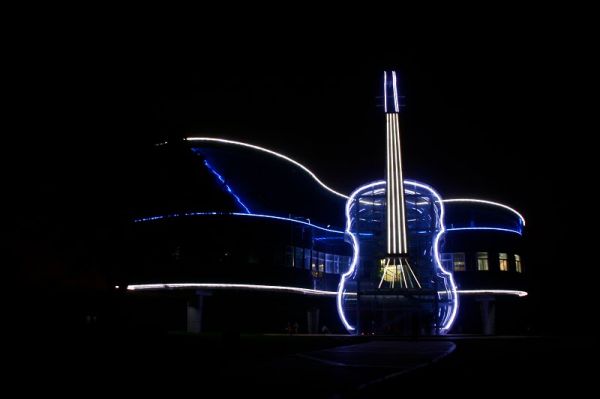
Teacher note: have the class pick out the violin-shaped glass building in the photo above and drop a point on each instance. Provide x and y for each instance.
(227, 235)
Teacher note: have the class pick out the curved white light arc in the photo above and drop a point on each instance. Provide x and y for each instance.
(488, 203)
(255, 147)
(450, 320)
(279, 155)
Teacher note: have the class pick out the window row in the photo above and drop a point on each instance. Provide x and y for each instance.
(316, 261)
(456, 261)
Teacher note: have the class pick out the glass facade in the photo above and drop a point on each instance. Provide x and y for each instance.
(457, 261)
(482, 261)
(317, 261)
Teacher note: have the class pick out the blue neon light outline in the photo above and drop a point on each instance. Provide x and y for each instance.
(227, 187)
(449, 319)
(485, 228)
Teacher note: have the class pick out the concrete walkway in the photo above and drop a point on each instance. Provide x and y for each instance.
(338, 371)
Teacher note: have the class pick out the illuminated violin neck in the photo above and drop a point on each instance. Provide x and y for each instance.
(396, 210)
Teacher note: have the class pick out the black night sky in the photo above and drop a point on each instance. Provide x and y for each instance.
(490, 113)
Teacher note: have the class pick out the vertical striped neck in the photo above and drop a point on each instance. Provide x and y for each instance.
(396, 212)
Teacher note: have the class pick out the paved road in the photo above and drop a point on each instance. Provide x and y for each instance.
(297, 366)
(338, 371)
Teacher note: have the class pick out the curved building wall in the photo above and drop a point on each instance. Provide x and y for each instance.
(217, 213)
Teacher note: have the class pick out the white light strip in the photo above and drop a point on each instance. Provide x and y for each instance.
(402, 204)
(392, 187)
(254, 287)
(388, 177)
(493, 292)
(279, 288)
(397, 188)
(488, 203)
(255, 147)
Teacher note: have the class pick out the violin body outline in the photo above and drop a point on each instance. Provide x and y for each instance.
(365, 231)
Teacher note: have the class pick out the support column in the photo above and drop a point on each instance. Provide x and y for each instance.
(195, 307)
(488, 315)
(313, 321)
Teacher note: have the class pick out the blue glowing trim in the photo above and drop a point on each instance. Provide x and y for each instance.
(256, 215)
(485, 228)
(226, 186)
(449, 319)
(341, 238)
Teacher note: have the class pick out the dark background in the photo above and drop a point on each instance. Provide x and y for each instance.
(494, 111)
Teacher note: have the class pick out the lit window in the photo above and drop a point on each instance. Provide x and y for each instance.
(503, 258)
(518, 265)
(482, 261)
(458, 261)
